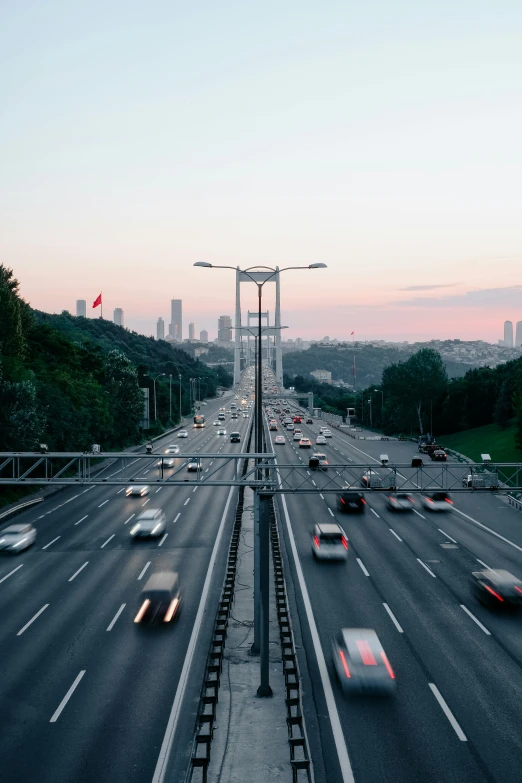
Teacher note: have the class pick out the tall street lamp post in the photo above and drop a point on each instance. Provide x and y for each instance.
(382, 403)
(263, 496)
(154, 378)
(179, 379)
(170, 398)
(371, 417)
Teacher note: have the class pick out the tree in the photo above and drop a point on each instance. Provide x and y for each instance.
(14, 321)
(503, 412)
(124, 394)
(21, 422)
(410, 387)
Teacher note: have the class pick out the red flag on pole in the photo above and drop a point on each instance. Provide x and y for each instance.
(352, 332)
(97, 301)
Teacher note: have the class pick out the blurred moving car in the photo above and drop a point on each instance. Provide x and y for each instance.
(496, 588)
(135, 489)
(400, 502)
(371, 478)
(329, 542)
(280, 440)
(320, 440)
(167, 462)
(350, 501)
(305, 443)
(149, 524)
(318, 462)
(183, 434)
(172, 449)
(437, 501)
(194, 464)
(361, 664)
(160, 598)
(16, 538)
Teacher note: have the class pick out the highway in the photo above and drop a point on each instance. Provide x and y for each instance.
(455, 716)
(86, 694)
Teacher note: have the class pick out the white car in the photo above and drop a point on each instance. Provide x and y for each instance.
(280, 440)
(322, 429)
(221, 432)
(361, 664)
(183, 434)
(298, 434)
(320, 440)
(305, 443)
(216, 423)
(167, 462)
(150, 523)
(173, 449)
(16, 538)
(194, 464)
(327, 433)
(437, 501)
(329, 542)
(136, 490)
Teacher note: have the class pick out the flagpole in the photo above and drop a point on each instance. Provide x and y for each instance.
(101, 303)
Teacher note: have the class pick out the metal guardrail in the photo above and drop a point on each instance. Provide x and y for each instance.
(517, 504)
(19, 509)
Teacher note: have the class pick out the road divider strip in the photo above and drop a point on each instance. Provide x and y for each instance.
(67, 696)
(448, 713)
(31, 621)
(78, 571)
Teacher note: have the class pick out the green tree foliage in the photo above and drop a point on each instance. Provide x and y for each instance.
(125, 395)
(503, 412)
(21, 420)
(14, 322)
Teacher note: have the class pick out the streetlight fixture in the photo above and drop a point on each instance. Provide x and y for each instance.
(371, 417)
(262, 497)
(382, 403)
(154, 379)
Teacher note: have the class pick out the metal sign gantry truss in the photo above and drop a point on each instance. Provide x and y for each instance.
(215, 469)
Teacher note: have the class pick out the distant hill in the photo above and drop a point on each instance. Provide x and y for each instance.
(371, 360)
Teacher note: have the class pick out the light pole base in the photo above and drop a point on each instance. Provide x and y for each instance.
(265, 691)
(254, 649)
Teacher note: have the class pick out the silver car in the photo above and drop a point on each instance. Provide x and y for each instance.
(138, 490)
(400, 502)
(361, 664)
(149, 524)
(16, 538)
(183, 434)
(329, 542)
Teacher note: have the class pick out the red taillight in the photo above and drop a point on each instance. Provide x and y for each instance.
(363, 500)
(411, 499)
(317, 542)
(392, 499)
(345, 665)
(342, 501)
(449, 501)
(517, 588)
(345, 543)
(387, 664)
(368, 658)
(429, 500)
(490, 590)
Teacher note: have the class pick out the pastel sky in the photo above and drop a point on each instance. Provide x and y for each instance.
(383, 138)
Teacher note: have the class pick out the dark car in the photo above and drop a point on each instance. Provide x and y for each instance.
(439, 455)
(235, 437)
(309, 421)
(350, 501)
(160, 599)
(496, 588)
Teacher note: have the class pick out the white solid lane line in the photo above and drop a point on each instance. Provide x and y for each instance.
(163, 539)
(145, 503)
(448, 713)
(109, 539)
(143, 572)
(120, 610)
(313, 482)
(362, 566)
(51, 542)
(102, 504)
(177, 517)
(168, 739)
(67, 696)
(129, 519)
(158, 490)
(321, 496)
(374, 512)
(395, 534)
(419, 515)
(426, 567)
(488, 568)
(78, 571)
(186, 501)
(393, 618)
(10, 573)
(44, 607)
(120, 490)
(445, 534)
(81, 520)
(475, 620)
(330, 510)
(484, 527)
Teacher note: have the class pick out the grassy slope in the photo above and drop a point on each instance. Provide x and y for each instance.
(494, 440)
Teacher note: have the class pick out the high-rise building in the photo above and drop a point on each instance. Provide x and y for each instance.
(81, 307)
(160, 329)
(518, 335)
(203, 336)
(192, 332)
(175, 326)
(118, 316)
(508, 334)
(224, 329)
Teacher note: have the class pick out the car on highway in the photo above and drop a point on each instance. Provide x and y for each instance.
(371, 478)
(137, 490)
(167, 462)
(305, 443)
(439, 455)
(172, 449)
(273, 426)
(160, 599)
(329, 542)
(496, 588)
(216, 423)
(320, 440)
(194, 464)
(149, 524)
(318, 461)
(309, 421)
(183, 434)
(350, 501)
(235, 437)
(298, 434)
(486, 480)
(280, 440)
(322, 429)
(16, 538)
(361, 664)
(400, 502)
(221, 432)
(245, 415)
(437, 501)
(327, 433)
(289, 427)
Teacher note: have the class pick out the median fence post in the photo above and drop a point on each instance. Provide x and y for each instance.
(256, 644)
(265, 499)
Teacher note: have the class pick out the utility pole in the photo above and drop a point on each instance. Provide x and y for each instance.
(170, 398)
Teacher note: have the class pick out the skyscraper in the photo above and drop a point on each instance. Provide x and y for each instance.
(224, 329)
(508, 334)
(203, 336)
(118, 316)
(175, 326)
(81, 307)
(192, 332)
(518, 335)
(160, 329)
